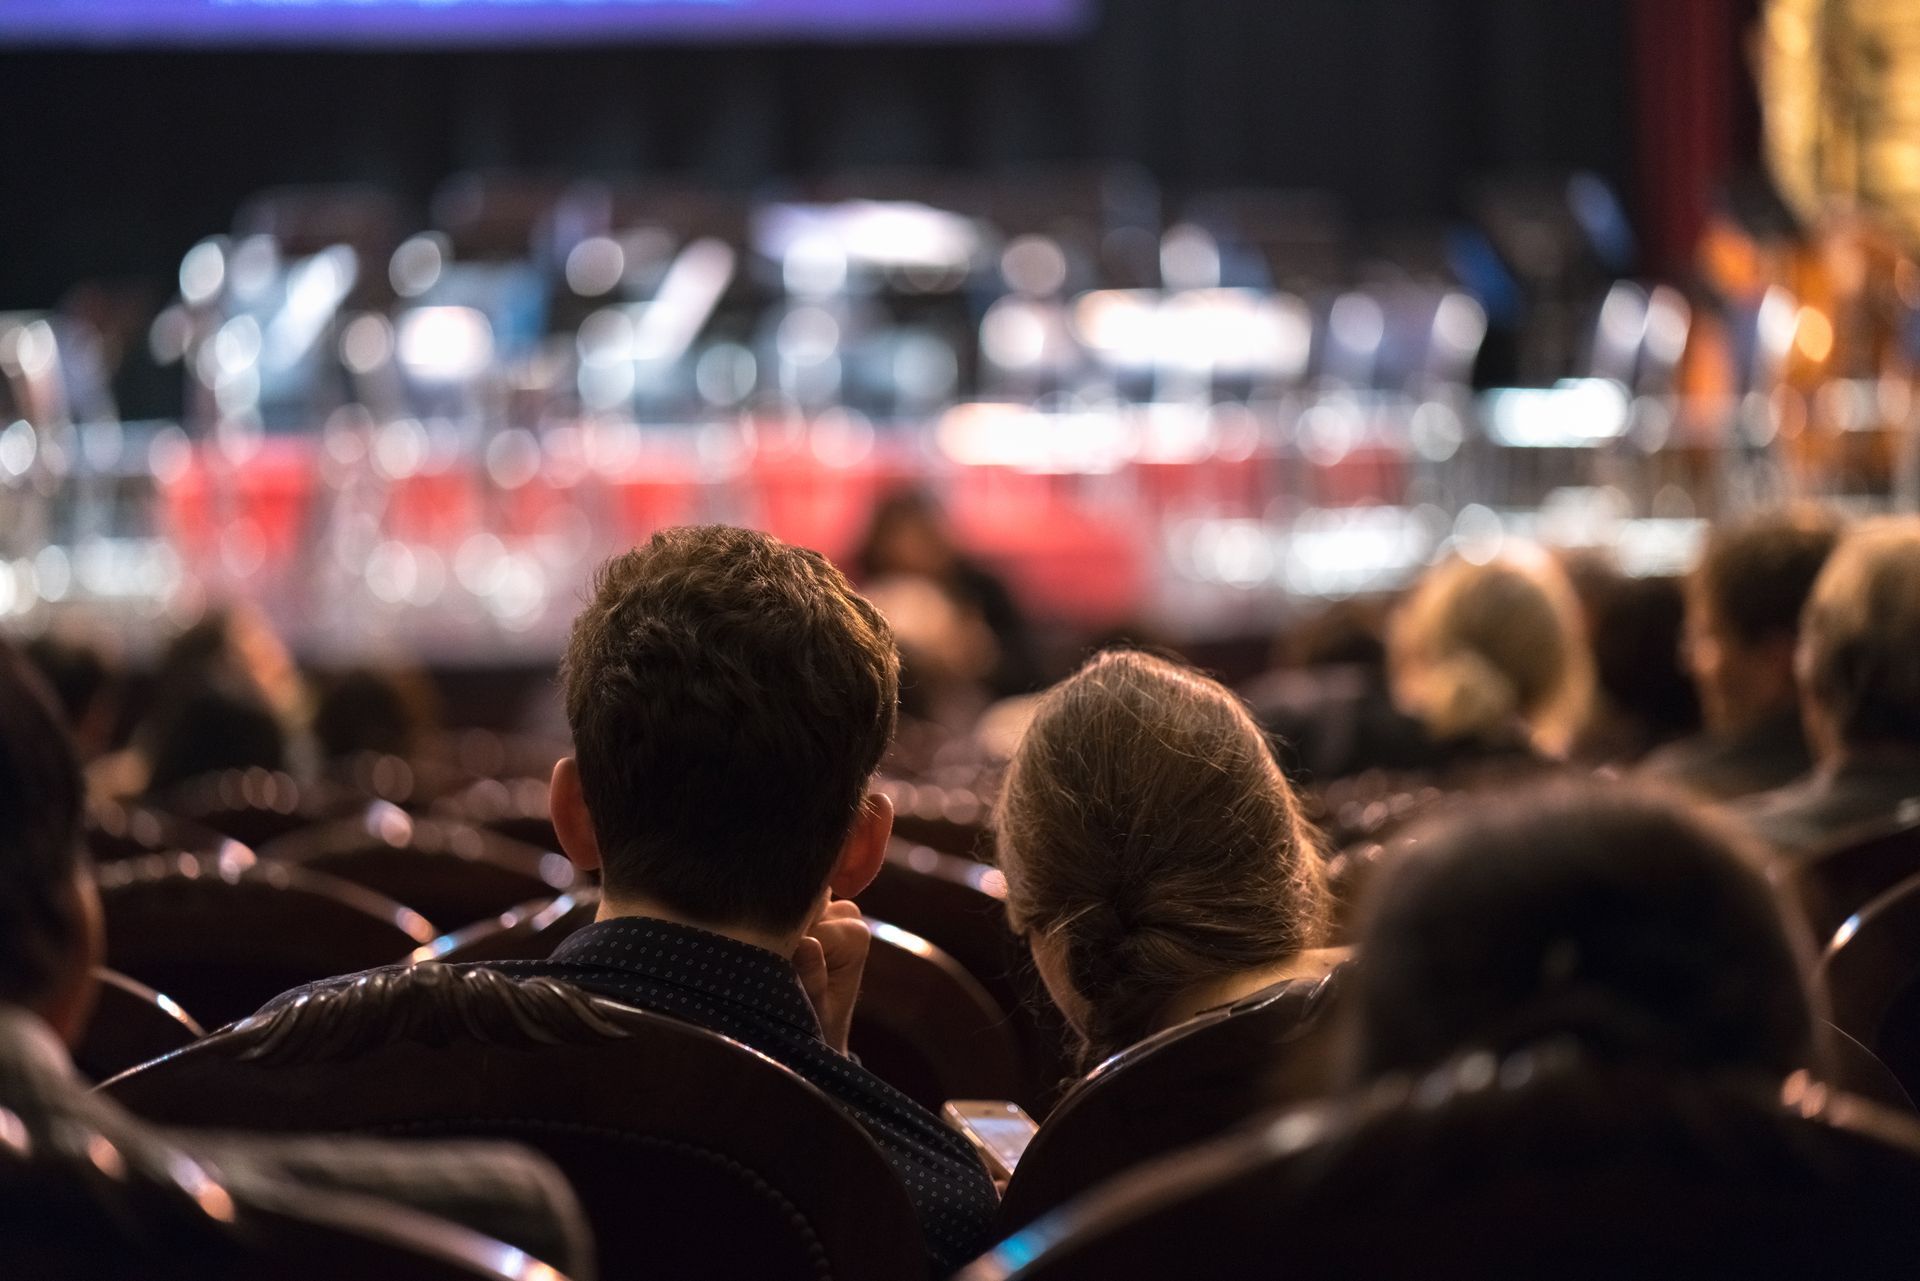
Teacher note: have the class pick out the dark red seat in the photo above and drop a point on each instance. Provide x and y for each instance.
(528, 932)
(253, 806)
(1832, 884)
(926, 1027)
(922, 1024)
(451, 873)
(512, 807)
(122, 829)
(952, 820)
(1854, 1068)
(131, 1024)
(694, 1156)
(75, 1206)
(412, 784)
(1871, 972)
(959, 906)
(1539, 1166)
(484, 753)
(223, 937)
(1190, 1083)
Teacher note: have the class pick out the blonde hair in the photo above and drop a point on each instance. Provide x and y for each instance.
(1479, 650)
(1145, 823)
(1858, 652)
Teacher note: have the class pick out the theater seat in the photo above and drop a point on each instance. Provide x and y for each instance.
(1190, 1083)
(1832, 884)
(84, 1197)
(451, 873)
(694, 1156)
(922, 1024)
(959, 906)
(949, 819)
(412, 784)
(926, 1027)
(527, 932)
(514, 807)
(1871, 973)
(122, 829)
(253, 806)
(131, 1024)
(1536, 1167)
(224, 936)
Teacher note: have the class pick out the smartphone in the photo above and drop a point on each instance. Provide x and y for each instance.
(998, 1130)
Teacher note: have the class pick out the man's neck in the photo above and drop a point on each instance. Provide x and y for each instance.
(780, 944)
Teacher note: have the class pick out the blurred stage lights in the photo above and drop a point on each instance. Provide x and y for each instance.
(444, 344)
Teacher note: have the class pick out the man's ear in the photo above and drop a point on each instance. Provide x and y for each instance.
(567, 805)
(866, 847)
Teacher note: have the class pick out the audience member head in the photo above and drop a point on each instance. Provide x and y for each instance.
(1488, 652)
(1634, 627)
(220, 724)
(1623, 919)
(233, 642)
(85, 683)
(1151, 846)
(730, 697)
(1346, 633)
(389, 710)
(1744, 602)
(907, 535)
(1859, 657)
(50, 930)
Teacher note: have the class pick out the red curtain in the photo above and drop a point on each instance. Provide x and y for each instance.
(1697, 117)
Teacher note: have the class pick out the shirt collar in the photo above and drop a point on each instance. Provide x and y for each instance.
(645, 947)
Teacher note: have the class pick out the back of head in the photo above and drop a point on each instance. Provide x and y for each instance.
(1623, 919)
(41, 800)
(1636, 629)
(907, 534)
(1479, 649)
(78, 673)
(369, 709)
(1858, 658)
(219, 724)
(730, 697)
(1145, 823)
(1753, 579)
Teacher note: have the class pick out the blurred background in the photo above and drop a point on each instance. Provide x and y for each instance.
(1052, 320)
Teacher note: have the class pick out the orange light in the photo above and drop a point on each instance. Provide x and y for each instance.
(1813, 335)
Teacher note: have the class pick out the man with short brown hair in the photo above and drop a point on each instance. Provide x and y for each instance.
(1743, 608)
(730, 698)
(1859, 666)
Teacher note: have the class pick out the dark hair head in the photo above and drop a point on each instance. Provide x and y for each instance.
(41, 809)
(1754, 578)
(78, 673)
(1857, 654)
(730, 697)
(909, 513)
(1625, 919)
(369, 709)
(1637, 626)
(222, 723)
(1145, 823)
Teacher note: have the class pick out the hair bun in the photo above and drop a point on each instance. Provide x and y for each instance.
(1465, 696)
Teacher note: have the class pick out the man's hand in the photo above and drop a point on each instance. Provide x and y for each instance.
(830, 959)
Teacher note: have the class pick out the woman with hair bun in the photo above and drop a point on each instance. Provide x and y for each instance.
(1156, 858)
(1490, 658)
